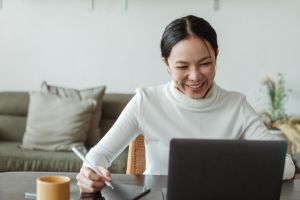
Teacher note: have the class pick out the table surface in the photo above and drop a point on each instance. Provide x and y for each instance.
(13, 185)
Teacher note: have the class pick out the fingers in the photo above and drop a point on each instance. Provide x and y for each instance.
(106, 174)
(89, 181)
(90, 174)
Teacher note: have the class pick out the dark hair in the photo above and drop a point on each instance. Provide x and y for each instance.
(184, 27)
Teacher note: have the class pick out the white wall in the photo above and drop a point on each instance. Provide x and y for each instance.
(66, 43)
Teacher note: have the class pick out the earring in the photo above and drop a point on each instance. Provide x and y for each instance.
(168, 69)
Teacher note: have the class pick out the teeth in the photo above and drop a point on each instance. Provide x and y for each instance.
(195, 86)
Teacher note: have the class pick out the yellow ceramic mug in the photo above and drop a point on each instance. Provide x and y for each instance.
(53, 188)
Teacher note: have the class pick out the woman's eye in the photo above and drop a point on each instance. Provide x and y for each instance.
(181, 67)
(205, 64)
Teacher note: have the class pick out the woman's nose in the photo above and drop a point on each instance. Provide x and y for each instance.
(194, 74)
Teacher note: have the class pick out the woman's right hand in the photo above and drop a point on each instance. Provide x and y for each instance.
(88, 181)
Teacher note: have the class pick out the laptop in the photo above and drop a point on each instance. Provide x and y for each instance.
(225, 169)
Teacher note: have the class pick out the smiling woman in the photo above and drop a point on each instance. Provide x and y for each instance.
(190, 55)
(191, 105)
(192, 67)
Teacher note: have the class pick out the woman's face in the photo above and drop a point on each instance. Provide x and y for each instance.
(192, 66)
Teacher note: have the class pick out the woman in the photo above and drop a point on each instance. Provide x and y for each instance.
(192, 105)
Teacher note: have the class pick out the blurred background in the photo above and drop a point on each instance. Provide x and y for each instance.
(85, 43)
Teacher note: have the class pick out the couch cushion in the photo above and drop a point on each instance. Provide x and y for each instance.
(56, 123)
(120, 163)
(12, 127)
(96, 93)
(13, 111)
(113, 104)
(12, 158)
(14, 103)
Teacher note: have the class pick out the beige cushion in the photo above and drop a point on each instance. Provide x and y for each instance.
(96, 93)
(55, 123)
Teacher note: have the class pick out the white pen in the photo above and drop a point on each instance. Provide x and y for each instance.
(90, 165)
(29, 195)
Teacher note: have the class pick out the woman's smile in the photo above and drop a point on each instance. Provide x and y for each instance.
(194, 86)
(192, 67)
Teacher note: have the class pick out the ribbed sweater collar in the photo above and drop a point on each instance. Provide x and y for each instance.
(193, 104)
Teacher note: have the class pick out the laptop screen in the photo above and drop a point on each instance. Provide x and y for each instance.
(225, 169)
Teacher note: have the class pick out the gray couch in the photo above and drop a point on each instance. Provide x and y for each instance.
(13, 115)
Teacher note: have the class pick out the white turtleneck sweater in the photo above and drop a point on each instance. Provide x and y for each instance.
(162, 113)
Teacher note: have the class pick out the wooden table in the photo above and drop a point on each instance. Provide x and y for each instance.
(13, 185)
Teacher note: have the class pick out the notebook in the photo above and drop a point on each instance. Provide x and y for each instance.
(124, 192)
(225, 169)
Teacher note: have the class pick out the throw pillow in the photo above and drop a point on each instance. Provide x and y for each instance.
(55, 123)
(97, 93)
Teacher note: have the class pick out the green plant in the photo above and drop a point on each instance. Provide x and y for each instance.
(276, 94)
